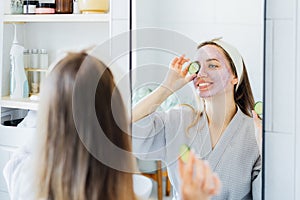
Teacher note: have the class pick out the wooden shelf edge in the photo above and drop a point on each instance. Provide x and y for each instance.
(25, 103)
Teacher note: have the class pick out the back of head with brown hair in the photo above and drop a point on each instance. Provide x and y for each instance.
(66, 169)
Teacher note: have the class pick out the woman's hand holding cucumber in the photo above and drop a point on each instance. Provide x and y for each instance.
(177, 77)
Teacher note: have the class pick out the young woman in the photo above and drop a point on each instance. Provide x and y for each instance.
(70, 161)
(223, 133)
(64, 168)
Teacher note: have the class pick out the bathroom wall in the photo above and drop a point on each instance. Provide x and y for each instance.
(282, 94)
(238, 22)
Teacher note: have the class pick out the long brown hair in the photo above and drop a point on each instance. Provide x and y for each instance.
(243, 95)
(66, 169)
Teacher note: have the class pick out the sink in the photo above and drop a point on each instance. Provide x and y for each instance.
(142, 187)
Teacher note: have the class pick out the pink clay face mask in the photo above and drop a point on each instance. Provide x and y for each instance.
(215, 75)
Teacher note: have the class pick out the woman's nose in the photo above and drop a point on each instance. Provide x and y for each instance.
(202, 72)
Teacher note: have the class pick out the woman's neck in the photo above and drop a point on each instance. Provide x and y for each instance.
(220, 110)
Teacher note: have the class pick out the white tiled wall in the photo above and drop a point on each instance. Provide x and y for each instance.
(238, 22)
(120, 9)
(283, 84)
(278, 9)
(279, 166)
(282, 97)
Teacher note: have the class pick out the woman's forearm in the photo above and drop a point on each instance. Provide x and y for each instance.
(150, 103)
(175, 79)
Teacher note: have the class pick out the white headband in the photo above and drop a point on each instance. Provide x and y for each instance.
(234, 55)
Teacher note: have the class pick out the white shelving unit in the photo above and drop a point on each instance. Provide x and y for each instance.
(57, 33)
(25, 103)
(57, 18)
(54, 32)
(75, 19)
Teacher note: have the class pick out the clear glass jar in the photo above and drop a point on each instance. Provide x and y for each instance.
(34, 59)
(34, 75)
(93, 6)
(43, 59)
(16, 6)
(27, 57)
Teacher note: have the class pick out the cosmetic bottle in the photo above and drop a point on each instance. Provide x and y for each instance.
(18, 79)
(64, 6)
(29, 6)
(45, 8)
(43, 59)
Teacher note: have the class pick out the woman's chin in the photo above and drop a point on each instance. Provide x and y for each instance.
(205, 94)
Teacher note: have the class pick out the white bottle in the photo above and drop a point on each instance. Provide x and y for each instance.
(18, 82)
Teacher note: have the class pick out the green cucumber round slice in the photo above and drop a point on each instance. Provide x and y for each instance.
(194, 68)
(258, 107)
(184, 153)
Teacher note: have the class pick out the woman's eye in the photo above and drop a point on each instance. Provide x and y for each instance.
(212, 66)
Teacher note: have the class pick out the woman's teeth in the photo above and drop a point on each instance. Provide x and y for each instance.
(203, 84)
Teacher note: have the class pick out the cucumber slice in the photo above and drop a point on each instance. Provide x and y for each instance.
(194, 68)
(258, 107)
(184, 153)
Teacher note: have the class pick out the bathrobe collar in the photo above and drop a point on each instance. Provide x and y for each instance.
(214, 155)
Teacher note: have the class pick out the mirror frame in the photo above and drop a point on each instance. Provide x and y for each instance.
(263, 86)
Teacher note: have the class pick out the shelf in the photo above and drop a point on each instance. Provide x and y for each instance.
(25, 103)
(35, 70)
(57, 18)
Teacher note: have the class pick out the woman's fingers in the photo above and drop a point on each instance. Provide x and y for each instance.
(186, 170)
(217, 184)
(190, 165)
(197, 179)
(183, 60)
(199, 173)
(258, 130)
(257, 121)
(208, 180)
(181, 168)
(174, 61)
(178, 62)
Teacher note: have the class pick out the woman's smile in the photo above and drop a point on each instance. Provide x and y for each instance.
(203, 84)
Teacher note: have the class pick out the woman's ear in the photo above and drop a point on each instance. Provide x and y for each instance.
(234, 81)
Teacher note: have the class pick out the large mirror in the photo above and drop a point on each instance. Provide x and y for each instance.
(206, 107)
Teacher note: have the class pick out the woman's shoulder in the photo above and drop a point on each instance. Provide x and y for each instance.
(248, 127)
(246, 118)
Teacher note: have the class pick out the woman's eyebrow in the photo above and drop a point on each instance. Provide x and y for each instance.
(212, 59)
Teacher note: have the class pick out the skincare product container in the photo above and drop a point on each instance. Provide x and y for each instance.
(36, 67)
(45, 8)
(18, 79)
(64, 6)
(29, 7)
(93, 6)
(16, 6)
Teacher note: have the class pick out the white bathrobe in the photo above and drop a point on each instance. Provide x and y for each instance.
(19, 175)
(236, 157)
